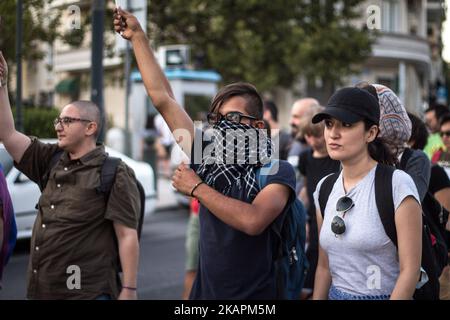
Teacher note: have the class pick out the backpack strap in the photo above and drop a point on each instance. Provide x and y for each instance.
(262, 182)
(142, 209)
(405, 158)
(384, 199)
(108, 176)
(277, 225)
(325, 190)
(42, 183)
(262, 178)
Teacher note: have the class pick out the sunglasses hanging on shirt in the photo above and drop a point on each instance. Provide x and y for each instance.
(343, 205)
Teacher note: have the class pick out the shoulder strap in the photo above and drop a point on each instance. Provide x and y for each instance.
(142, 210)
(53, 161)
(262, 178)
(108, 175)
(325, 190)
(384, 199)
(405, 158)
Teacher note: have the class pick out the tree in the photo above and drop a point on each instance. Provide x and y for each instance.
(334, 47)
(41, 25)
(267, 42)
(38, 26)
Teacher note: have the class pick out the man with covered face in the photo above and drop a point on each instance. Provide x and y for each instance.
(236, 245)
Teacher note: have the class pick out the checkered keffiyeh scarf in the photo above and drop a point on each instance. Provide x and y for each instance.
(395, 125)
(235, 152)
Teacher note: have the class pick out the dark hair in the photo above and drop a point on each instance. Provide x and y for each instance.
(369, 88)
(272, 108)
(419, 132)
(378, 149)
(254, 105)
(444, 118)
(439, 110)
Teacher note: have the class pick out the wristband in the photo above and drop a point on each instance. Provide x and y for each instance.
(195, 187)
(129, 288)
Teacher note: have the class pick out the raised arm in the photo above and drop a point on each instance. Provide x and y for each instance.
(15, 142)
(156, 83)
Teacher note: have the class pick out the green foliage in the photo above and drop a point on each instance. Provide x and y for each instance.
(38, 26)
(74, 37)
(41, 25)
(39, 121)
(266, 42)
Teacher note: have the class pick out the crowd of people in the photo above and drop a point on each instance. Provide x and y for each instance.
(332, 160)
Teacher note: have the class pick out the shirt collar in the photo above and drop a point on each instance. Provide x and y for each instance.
(94, 157)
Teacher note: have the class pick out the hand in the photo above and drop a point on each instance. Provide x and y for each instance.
(126, 24)
(184, 179)
(127, 294)
(3, 70)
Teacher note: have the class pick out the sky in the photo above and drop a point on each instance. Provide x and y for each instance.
(446, 34)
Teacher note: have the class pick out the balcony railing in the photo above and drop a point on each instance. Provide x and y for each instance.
(402, 47)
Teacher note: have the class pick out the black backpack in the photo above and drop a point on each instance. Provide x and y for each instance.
(290, 262)
(107, 178)
(434, 249)
(431, 207)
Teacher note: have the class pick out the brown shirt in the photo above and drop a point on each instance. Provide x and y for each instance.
(73, 230)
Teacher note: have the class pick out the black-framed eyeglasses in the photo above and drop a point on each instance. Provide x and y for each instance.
(343, 205)
(233, 116)
(444, 133)
(66, 121)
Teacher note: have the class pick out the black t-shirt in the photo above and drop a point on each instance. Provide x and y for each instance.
(438, 179)
(314, 169)
(232, 264)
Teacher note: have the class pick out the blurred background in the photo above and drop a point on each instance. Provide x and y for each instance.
(64, 50)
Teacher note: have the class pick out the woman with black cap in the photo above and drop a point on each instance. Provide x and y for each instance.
(357, 260)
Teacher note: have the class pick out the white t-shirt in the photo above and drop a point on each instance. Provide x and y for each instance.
(363, 260)
(163, 129)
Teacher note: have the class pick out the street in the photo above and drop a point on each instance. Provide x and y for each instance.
(161, 268)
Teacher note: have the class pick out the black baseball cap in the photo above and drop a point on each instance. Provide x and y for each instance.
(351, 105)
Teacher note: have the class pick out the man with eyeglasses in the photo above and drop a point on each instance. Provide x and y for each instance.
(236, 245)
(442, 156)
(79, 233)
(433, 116)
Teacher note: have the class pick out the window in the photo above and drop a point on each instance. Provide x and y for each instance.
(390, 16)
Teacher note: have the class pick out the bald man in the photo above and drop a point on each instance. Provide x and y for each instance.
(79, 234)
(300, 109)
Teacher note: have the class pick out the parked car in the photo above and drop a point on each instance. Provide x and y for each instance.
(25, 193)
